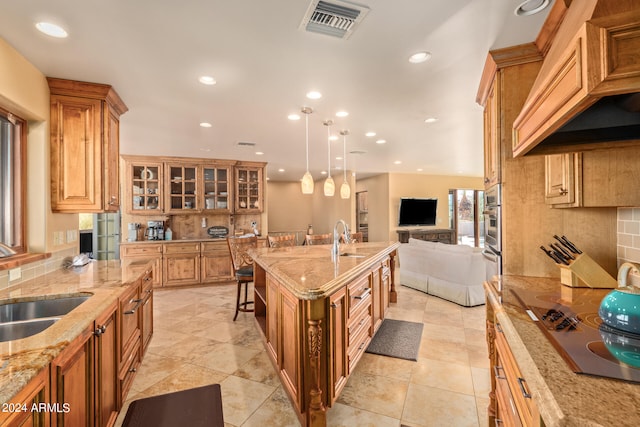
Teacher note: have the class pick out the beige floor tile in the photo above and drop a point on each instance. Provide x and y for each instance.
(438, 332)
(380, 395)
(482, 404)
(481, 381)
(187, 376)
(478, 356)
(429, 406)
(275, 411)
(259, 369)
(241, 398)
(226, 358)
(475, 337)
(346, 416)
(447, 351)
(444, 375)
(384, 366)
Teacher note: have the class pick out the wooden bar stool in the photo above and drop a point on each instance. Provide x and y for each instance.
(243, 267)
(319, 239)
(282, 241)
(195, 407)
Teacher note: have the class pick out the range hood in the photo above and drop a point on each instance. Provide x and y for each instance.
(587, 92)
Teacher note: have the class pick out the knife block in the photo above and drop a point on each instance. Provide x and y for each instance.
(584, 272)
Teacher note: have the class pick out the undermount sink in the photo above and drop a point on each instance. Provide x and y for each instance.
(26, 318)
(347, 254)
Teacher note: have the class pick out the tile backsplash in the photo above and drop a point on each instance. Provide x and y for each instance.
(36, 269)
(628, 235)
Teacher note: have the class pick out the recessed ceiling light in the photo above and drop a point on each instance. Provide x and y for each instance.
(293, 117)
(207, 80)
(323, 173)
(531, 7)
(314, 95)
(419, 57)
(342, 114)
(397, 162)
(431, 120)
(381, 141)
(339, 158)
(419, 169)
(259, 153)
(205, 125)
(280, 170)
(52, 30)
(370, 134)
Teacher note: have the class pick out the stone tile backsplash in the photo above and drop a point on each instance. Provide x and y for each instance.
(628, 235)
(36, 269)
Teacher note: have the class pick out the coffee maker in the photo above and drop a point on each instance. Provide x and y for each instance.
(155, 230)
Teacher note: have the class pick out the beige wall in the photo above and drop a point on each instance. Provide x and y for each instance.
(377, 188)
(24, 90)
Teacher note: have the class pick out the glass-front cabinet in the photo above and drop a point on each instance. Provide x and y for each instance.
(217, 182)
(249, 188)
(182, 188)
(143, 190)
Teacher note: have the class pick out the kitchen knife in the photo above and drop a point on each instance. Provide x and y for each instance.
(560, 249)
(559, 254)
(553, 256)
(563, 243)
(575, 249)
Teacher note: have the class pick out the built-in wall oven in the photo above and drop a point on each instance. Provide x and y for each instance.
(493, 230)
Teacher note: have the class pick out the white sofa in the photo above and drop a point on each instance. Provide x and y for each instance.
(451, 272)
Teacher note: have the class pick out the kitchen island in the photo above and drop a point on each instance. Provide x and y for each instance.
(546, 387)
(318, 315)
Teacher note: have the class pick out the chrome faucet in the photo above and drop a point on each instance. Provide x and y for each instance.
(335, 249)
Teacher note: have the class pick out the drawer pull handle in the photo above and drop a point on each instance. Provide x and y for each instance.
(499, 328)
(133, 370)
(100, 330)
(364, 294)
(334, 305)
(499, 422)
(135, 308)
(496, 372)
(524, 391)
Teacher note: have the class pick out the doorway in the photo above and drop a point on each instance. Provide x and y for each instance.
(465, 216)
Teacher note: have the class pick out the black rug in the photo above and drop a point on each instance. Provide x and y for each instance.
(397, 338)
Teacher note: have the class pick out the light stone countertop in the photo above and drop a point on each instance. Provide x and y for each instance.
(308, 271)
(563, 397)
(21, 360)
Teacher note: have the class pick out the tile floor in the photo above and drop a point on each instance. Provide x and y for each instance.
(196, 342)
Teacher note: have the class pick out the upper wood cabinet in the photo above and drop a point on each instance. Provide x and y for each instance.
(85, 129)
(249, 187)
(491, 136)
(182, 187)
(217, 185)
(563, 180)
(143, 186)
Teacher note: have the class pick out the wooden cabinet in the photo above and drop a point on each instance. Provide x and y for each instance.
(360, 321)
(18, 411)
(431, 235)
(249, 187)
(144, 185)
(563, 180)
(131, 253)
(217, 185)
(106, 399)
(72, 383)
(338, 343)
(181, 263)
(85, 128)
(182, 188)
(492, 153)
(129, 338)
(146, 314)
(216, 262)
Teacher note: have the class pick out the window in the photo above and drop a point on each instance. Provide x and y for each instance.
(12, 181)
(465, 216)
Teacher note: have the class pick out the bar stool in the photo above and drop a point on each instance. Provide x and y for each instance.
(243, 267)
(319, 239)
(282, 241)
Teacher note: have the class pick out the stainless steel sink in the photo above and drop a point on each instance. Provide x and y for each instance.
(15, 330)
(26, 318)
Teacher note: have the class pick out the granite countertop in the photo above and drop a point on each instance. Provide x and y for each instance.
(308, 271)
(563, 397)
(22, 359)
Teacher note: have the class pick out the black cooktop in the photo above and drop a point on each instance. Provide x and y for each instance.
(569, 319)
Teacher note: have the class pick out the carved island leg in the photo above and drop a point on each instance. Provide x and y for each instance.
(491, 339)
(393, 295)
(316, 412)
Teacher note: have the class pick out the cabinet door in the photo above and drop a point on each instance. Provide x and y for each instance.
(106, 367)
(34, 393)
(271, 332)
(181, 263)
(563, 180)
(376, 309)
(216, 262)
(143, 188)
(76, 153)
(111, 153)
(147, 311)
(248, 190)
(217, 182)
(72, 383)
(182, 188)
(289, 357)
(338, 344)
(492, 136)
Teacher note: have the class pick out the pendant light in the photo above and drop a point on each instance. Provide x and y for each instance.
(329, 186)
(307, 179)
(345, 190)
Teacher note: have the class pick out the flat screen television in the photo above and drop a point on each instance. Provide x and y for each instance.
(417, 212)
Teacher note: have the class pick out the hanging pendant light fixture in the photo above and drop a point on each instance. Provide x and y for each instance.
(329, 186)
(307, 179)
(345, 190)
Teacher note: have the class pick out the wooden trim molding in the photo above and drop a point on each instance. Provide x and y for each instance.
(22, 259)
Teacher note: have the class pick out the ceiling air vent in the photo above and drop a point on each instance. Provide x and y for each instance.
(337, 18)
(246, 144)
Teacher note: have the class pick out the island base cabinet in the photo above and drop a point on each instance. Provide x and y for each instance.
(35, 394)
(106, 368)
(338, 342)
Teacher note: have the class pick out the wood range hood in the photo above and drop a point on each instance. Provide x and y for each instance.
(587, 93)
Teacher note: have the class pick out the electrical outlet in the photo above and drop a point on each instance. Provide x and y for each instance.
(15, 274)
(71, 236)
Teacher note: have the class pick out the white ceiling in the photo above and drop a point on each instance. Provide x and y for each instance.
(153, 52)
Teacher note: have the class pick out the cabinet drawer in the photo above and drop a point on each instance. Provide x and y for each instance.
(215, 248)
(179, 248)
(355, 351)
(129, 367)
(506, 410)
(361, 322)
(130, 303)
(141, 250)
(359, 293)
